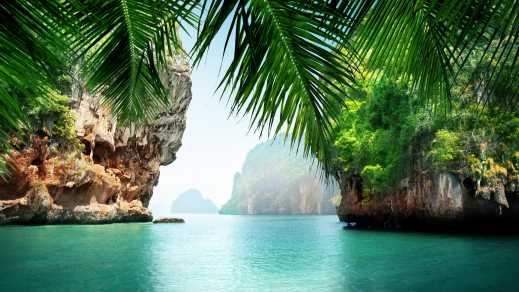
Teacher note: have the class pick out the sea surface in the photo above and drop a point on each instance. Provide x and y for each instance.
(251, 253)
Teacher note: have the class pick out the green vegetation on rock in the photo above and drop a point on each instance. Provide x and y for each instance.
(387, 134)
(374, 133)
(52, 114)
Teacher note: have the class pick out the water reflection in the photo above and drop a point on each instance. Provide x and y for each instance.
(430, 262)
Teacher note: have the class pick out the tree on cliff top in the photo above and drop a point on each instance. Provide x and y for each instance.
(291, 58)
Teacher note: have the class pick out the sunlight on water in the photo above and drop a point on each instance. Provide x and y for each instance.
(250, 253)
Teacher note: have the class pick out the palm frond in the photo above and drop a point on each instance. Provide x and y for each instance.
(429, 42)
(291, 58)
(287, 62)
(126, 44)
(500, 58)
(30, 50)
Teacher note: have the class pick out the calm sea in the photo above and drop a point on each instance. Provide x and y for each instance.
(251, 253)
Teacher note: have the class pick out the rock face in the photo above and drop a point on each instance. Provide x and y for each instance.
(192, 201)
(275, 180)
(112, 180)
(429, 201)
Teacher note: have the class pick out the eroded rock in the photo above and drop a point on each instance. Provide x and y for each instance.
(113, 179)
(438, 201)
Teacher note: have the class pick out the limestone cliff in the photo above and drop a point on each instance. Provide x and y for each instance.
(404, 165)
(112, 178)
(275, 180)
(434, 201)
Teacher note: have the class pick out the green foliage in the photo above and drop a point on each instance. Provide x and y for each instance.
(52, 113)
(287, 61)
(284, 53)
(388, 134)
(429, 43)
(445, 149)
(489, 142)
(374, 178)
(287, 71)
(374, 134)
(30, 50)
(127, 44)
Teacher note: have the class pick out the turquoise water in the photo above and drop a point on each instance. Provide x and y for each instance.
(251, 253)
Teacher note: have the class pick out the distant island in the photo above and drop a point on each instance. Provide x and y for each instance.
(192, 201)
(276, 180)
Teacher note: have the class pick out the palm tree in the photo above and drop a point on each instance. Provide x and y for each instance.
(292, 59)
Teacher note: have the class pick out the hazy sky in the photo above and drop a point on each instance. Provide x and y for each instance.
(214, 145)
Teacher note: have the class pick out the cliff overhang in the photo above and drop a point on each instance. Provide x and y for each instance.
(111, 177)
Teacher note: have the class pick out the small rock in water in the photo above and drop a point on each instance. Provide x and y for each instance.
(169, 220)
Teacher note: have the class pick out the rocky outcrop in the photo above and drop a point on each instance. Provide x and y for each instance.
(112, 178)
(169, 220)
(276, 180)
(429, 201)
(192, 201)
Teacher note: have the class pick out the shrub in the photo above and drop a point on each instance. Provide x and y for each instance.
(445, 149)
(384, 135)
(52, 112)
(374, 178)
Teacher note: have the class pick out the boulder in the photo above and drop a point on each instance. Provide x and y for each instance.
(169, 220)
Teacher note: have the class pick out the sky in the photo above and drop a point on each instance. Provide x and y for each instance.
(214, 145)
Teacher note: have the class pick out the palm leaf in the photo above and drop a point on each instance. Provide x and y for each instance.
(126, 44)
(30, 50)
(287, 62)
(429, 42)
